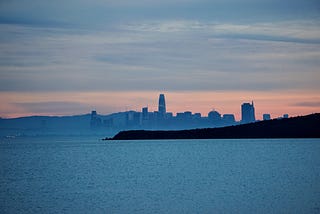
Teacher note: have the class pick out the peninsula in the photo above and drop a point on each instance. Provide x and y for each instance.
(297, 127)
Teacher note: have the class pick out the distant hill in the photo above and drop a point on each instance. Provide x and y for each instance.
(296, 127)
(35, 125)
(59, 125)
(36, 122)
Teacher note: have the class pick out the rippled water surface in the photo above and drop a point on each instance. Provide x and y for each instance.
(86, 175)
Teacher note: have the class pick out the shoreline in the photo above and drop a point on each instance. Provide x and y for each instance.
(296, 127)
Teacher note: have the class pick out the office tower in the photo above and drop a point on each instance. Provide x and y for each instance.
(229, 118)
(196, 116)
(93, 114)
(162, 106)
(145, 113)
(266, 117)
(188, 115)
(247, 113)
(95, 121)
(169, 115)
(214, 116)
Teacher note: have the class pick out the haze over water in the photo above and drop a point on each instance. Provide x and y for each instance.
(82, 175)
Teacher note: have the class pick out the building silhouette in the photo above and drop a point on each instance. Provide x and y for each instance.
(95, 121)
(247, 113)
(145, 113)
(161, 119)
(162, 106)
(228, 119)
(214, 116)
(266, 117)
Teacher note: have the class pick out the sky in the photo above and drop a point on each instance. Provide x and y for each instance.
(71, 57)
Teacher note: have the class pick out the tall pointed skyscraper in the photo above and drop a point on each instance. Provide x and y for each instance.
(162, 106)
(247, 113)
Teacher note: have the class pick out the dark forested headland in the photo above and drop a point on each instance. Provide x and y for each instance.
(296, 127)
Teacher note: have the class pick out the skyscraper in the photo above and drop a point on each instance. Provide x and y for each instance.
(145, 113)
(247, 113)
(162, 106)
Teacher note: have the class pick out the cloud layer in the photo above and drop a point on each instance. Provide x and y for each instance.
(171, 55)
(146, 45)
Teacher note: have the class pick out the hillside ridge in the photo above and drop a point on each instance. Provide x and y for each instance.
(296, 127)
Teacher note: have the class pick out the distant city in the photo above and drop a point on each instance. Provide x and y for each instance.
(97, 124)
(162, 119)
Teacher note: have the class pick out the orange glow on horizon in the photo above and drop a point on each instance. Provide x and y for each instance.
(225, 102)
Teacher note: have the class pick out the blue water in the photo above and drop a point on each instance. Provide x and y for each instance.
(86, 175)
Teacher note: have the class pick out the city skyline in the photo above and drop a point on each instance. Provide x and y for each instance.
(163, 119)
(178, 102)
(65, 58)
(166, 120)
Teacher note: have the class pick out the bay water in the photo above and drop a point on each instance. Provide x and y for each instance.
(88, 175)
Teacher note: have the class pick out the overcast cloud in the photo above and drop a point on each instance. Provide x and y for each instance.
(171, 55)
(176, 45)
